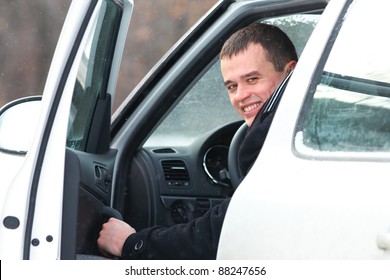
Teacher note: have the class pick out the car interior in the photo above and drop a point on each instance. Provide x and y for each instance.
(167, 161)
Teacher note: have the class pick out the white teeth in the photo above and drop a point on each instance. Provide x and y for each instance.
(251, 107)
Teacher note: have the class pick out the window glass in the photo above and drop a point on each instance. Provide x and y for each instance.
(350, 110)
(155, 26)
(93, 74)
(207, 105)
(298, 27)
(204, 107)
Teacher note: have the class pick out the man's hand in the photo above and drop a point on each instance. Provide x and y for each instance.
(112, 237)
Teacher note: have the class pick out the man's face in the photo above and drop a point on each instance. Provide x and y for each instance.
(250, 80)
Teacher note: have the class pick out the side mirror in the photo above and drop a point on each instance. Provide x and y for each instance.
(18, 122)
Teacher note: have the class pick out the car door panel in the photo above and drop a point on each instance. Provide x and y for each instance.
(36, 179)
(89, 127)
(95, 188)
(69, 232)
(75, 113)
(325, 199)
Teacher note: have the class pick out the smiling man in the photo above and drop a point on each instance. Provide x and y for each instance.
(254, 61)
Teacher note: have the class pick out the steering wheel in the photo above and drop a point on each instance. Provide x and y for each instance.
(234, 170)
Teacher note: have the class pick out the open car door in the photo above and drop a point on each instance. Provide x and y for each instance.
(41, 204)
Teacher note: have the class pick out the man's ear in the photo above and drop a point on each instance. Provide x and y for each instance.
(290, 65)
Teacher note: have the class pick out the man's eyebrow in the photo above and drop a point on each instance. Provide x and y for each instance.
(244, 76)
(252, 73)
(227, 82)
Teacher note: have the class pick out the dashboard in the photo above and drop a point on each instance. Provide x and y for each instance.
(174, 184)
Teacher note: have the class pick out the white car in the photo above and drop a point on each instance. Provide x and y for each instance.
(318, 190)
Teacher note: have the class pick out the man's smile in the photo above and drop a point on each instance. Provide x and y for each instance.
(251, 107)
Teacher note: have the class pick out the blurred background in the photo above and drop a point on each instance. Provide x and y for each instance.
(29, 31)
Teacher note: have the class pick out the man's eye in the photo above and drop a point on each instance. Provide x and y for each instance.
(252, 80)
(231, 88)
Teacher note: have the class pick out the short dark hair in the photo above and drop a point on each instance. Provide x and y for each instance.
(278, 45)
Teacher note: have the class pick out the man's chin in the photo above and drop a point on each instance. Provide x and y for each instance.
(249, 121)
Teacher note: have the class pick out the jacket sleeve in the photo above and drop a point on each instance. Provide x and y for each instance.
(197, 239)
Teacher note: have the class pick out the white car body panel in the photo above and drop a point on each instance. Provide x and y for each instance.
(289, 207)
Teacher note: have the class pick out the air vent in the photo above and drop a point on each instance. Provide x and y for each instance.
(164, 151)
(176, 173)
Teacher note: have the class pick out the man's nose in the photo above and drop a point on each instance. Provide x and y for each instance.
(242, 93)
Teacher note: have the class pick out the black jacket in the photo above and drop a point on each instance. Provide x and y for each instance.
(197, 239)
(253, 142)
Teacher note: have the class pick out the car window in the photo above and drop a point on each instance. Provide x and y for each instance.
(206, 105)
(350, 109)
(298, 27)
(93, 73)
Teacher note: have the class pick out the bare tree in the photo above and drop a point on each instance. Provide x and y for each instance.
(28, 34)
(29, 31)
